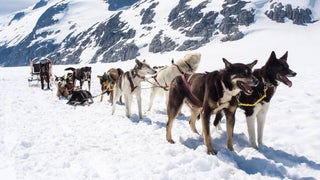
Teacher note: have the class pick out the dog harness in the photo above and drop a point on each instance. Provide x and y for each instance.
(189, 88)
(255, 103)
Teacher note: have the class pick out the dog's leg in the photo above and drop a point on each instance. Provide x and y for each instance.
(101, 97)
(230, 116)
(111, 96)
(154, 91)
(250, 118)
(205, 117)
(128, 101)
(116, 95)
(192, 120)
(173, 108)
(251, 130)
(261, 118)
(138, 95)
(217, 120)
(81, 83)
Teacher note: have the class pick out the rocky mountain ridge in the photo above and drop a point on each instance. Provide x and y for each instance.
(131, 27)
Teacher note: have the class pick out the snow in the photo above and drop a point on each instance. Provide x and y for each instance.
(42, 137)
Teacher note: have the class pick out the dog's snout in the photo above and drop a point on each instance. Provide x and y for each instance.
(292, 73)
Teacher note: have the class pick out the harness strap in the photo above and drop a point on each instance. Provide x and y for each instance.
(179, 69)
(255, 103)
(189, 88)
(166, 87)
(189, 66)
(131, 82)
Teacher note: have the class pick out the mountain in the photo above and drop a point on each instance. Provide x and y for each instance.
(69, 31)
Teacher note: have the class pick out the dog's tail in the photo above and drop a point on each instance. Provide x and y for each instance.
(70, 68)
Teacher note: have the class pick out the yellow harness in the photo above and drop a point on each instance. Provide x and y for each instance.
(255, 103)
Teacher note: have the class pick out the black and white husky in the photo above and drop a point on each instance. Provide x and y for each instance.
(256, 105)
(129, 84)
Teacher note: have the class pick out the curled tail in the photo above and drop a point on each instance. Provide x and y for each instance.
(70, 68)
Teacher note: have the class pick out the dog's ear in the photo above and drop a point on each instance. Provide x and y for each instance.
(227, 63)
(272, 56)
(139, 63)
(172, 61)
(144, 61)
(252, 64)
(285, 56)
(55, 76)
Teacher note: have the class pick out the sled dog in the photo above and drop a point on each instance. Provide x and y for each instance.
(80, 97)
(107, 82)
(208, 93)
(81, 74)
(61, 83)
(256, 105)
(161, 81)
(129, 84)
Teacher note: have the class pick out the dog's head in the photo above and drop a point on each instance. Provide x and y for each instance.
(59, 80)
(106, 82)
(278, 69)
(86, 72)
(144, 68)
(241, 76)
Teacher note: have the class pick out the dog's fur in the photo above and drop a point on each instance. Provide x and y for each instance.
(80, 97)
(207, 93)
(81, 74)
(165, 75)
(274, 71)
(107, 82)
(129, 84)
(45, 73)
(60, 83)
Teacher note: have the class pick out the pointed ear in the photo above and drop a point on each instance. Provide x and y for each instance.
(227, 63)
(273, 55)
(139, 63)
(252, 64)
(144, 61)
(63, 76)
(55, 76)
(285, 56)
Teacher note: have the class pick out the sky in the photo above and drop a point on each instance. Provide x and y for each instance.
(10, 6)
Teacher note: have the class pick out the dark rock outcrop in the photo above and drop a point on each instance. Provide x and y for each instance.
(279, 12)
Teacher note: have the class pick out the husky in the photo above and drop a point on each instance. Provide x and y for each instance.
(256, 105)
(81, 74)
(60, 82)
(129, 84)
(107, 82)
(45, 72)
(161, 81)
(80, 97)
(208, 93)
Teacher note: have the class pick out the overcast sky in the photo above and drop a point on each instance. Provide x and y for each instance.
(9, 6)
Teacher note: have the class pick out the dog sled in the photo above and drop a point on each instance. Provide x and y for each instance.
(35, 70)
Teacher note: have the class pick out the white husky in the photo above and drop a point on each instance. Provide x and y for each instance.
(129, 84)
(162, 80)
